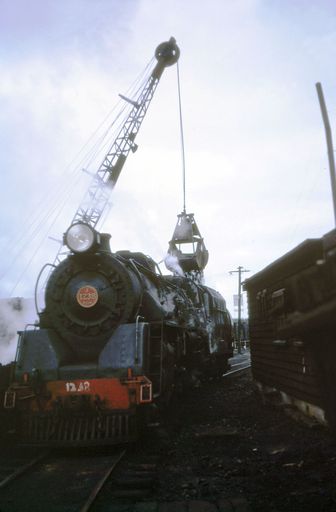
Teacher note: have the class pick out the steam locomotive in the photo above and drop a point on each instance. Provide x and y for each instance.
(115, 337)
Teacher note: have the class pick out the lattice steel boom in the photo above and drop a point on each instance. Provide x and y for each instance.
(96, 198)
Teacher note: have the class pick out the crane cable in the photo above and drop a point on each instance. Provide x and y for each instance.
(90, 155)
(87, 159)
(182, 137)
(67, 186)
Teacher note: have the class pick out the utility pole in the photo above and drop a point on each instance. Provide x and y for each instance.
(329, 144)
(239, 271)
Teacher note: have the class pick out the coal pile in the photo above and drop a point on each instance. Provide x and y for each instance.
(222, 442)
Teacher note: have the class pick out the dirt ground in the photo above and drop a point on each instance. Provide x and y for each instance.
(222, 442)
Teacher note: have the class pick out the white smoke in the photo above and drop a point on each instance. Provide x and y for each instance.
(15, 314)
(173, 265)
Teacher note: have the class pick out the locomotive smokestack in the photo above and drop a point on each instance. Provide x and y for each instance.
(105, 242)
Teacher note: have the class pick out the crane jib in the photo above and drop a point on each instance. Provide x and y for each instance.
(96, 198)
(115, 171)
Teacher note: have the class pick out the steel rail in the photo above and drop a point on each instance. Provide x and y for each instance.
(98, 487)
(238, 370)
(22, 469)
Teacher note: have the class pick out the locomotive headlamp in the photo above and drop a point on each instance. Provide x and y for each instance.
(80, 237)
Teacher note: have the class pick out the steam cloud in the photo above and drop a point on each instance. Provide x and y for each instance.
(172, 264)
(15, 314)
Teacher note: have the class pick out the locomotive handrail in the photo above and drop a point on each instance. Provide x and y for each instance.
(131, 261)
(21, 333)
(37, 284)
(139, 317)
(145, 270)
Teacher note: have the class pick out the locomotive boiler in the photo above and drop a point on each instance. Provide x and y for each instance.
(115, 337)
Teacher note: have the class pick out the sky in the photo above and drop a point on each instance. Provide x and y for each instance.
(257, 176)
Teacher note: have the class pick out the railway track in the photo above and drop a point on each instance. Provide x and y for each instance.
(241, 368)
(22, 467)
(81, 481)
(56, 481)
(100, 484)
(239, 363)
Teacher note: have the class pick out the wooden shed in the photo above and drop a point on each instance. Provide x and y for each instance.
(292, 321)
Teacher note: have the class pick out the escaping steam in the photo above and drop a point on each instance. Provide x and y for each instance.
(15, 314)
(172, 264)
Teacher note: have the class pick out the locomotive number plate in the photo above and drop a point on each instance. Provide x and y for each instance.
(72, 387)
(87, 296)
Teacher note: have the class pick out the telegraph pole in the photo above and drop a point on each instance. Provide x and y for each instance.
(239, 271)
(329, 144)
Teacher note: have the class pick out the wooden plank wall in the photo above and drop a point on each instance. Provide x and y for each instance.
(287, 364)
